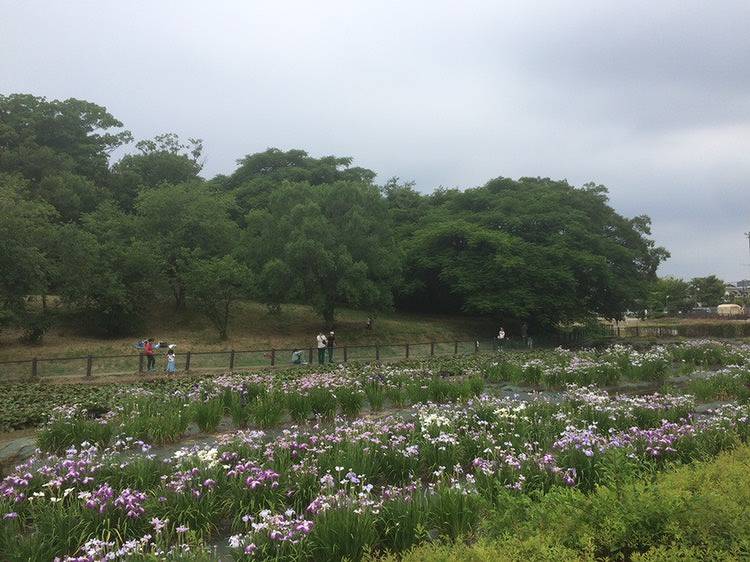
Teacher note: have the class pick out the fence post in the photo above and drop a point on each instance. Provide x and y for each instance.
(637, 331)
(273, 357)
(345, 354)
(89, 360)
(455, 348)
(34, 368)
(407, 350)
(310, 357)
(377, 353)
(140, 362)
(432, 348)
(187, 362)
(231, 360)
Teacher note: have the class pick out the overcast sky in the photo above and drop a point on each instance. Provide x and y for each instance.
(650, 98)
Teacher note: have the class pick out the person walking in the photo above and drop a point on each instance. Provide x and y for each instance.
(330, 340)
(148, 350)
(171, 362)
(322, 343)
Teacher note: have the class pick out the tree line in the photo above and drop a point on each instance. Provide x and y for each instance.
(108, 239)
(671, 295)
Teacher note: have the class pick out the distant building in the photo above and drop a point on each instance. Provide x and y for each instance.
(736, 290)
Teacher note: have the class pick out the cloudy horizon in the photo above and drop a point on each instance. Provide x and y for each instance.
(652, 101)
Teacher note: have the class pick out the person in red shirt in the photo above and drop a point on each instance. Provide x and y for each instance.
(148, 350)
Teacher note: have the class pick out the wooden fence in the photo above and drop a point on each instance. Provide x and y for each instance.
(90, 366)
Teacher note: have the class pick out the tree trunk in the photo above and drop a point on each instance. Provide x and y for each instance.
(224, 321)
(329, 314)
(179, 295)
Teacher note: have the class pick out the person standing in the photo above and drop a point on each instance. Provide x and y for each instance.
(525, 333)
(148, 350)
(171, 362)
(322, 343)
(331, 339)
(500, 338)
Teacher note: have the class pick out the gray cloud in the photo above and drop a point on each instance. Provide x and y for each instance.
(648, 98)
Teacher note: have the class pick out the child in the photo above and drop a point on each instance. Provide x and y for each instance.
(171, 362)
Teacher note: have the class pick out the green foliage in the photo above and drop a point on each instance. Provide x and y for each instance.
(670, 295)
(532, 249)
(162, 160)
(351, 400)
(707, 291)
(268, 410)
(186, 222)
(215, 284)
(208, 414)
(112, 239)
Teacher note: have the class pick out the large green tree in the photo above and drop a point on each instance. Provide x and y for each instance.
(215, 284)
(61, 147)
(259, 175)
(163, 159)
(671, 295)
(183, 223)
(25, 264)
(106, 274)
(707, 291)
(530, 250)
(335, 240)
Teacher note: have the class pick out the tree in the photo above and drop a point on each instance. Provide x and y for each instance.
(530, 250)
(103, 279)
(707, 291)
(214, 284)
(259, 175)
(185, 222)
(61, 147)
(335, 239)
(274, 284)
(163, 159)
(670, 294)
(40, 137)
(24, 261)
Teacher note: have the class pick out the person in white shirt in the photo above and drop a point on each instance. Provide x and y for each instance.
(322, 344)
(500, 338)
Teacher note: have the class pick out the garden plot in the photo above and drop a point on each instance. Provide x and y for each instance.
(327, 466)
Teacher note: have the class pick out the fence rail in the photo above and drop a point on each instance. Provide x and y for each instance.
(89, 366)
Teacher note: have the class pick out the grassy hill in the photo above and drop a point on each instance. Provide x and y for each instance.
(252, 327)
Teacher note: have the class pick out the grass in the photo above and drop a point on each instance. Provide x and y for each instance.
(252, 327)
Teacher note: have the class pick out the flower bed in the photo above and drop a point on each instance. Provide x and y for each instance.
(337, 489)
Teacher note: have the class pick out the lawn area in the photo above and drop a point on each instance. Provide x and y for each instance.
(252, 327)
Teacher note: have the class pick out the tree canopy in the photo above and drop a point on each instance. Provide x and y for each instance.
(111, 238)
